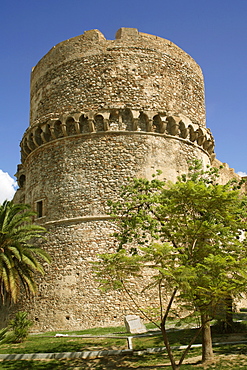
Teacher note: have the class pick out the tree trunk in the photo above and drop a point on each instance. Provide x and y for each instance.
(207, 348)
(4, 312)
(168, 348)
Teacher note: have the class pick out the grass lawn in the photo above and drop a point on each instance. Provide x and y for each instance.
(226, 361)
(47, 343)
(230, 357)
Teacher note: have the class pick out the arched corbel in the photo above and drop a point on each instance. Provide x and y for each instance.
(135, 119)
(143, 122)
(52, 128)
(210, 148)
(193, 133)
(163, 123)
(106, 120)
(200, 136)
(150, 116)
(30, 142)
(33, 139)
(91, 125)
(29, 146)
(183, 130)
(25, 149)
(44, 134)
(173, 125)
(63, 120)
(208, 143)
(76, 117)
(120, 122)
(36, 136)
(106, 124)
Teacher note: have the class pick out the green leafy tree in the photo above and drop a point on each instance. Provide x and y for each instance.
(188, 234)
(20, 255)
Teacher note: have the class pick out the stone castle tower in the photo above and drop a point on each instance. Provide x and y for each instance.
(101, 111)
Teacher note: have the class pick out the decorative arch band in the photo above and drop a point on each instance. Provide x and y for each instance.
(116, 120)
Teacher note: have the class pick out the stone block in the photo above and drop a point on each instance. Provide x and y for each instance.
(134, 325)
(127, 33)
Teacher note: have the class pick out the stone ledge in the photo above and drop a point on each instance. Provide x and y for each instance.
(80, 219)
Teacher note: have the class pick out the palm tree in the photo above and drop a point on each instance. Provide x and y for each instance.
(19, 255)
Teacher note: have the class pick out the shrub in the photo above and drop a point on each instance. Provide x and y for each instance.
(3, 333)
(20, 326)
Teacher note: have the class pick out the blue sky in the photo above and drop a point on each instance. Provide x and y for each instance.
(213, 32)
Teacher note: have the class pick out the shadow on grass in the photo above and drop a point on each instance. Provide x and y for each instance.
(156, 361)
(53, 345)
(145, 362)
(233, 349)
(142, 362)
(118, 362)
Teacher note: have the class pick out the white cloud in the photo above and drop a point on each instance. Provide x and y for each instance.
(240, 173)
(7, 186)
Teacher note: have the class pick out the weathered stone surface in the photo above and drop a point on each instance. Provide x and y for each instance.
(102, 111)
(134, 325)
(136, 70)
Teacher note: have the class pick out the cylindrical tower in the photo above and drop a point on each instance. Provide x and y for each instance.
(102, 111)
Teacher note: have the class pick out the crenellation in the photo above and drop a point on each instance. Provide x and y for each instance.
(141, 73)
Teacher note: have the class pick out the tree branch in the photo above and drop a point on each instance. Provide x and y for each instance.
(138, 307)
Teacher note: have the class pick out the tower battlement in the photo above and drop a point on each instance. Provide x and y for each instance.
(136, 70)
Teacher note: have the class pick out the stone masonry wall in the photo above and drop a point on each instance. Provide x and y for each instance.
(74, 177)
(102, 111)
(136, 70)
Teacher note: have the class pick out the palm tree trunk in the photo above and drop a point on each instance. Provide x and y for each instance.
(4, 311)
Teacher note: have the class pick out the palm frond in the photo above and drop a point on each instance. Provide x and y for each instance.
(20, 256)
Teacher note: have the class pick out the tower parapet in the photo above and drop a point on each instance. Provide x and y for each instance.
(136, 70)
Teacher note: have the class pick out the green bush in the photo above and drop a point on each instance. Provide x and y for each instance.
(3, 333)
(20, 326)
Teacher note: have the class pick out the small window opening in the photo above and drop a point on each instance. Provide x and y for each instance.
(22, 180)
(39, 209)
(67, 317)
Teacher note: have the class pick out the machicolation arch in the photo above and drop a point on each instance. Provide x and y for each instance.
(112, 121)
